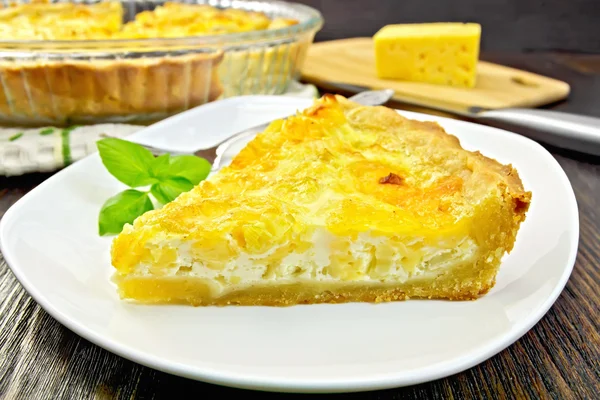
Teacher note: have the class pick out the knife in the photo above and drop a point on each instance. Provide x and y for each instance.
(560, 129)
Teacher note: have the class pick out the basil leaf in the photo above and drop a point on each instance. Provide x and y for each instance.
(167, 190)
(47, 131)
(15, 137)
(160, 164)
(122, 209)
(129, 162)
(192, 168)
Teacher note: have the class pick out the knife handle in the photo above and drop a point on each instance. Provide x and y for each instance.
(561, 129)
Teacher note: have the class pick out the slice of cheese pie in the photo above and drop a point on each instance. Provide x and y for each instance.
(338, 203)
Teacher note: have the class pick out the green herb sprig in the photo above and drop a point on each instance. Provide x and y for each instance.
(166, 177)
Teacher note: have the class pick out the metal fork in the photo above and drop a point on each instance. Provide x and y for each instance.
(215, 154)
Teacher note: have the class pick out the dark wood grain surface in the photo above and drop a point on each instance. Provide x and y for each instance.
(558, 359)
(508, 25)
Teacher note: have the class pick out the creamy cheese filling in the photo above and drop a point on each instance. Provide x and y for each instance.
(366, 258)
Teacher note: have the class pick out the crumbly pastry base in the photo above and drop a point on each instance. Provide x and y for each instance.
(464, 282)
(71, 91)
(144, 89)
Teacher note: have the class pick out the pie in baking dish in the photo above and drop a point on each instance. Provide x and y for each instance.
(339, 203)
(86, 82)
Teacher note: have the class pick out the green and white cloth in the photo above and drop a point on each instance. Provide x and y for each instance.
(46, 149)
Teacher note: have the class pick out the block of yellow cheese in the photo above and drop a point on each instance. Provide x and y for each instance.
(444, 53)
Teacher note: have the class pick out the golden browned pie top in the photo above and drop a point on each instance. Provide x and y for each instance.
(340, 166)
(179, 20)
(41, 20)
(104, 20)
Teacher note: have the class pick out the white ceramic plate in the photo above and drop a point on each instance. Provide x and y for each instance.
(49, 240)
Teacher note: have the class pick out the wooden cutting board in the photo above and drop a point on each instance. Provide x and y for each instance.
(352, 62)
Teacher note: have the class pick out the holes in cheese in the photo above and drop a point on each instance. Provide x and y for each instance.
(444, 53)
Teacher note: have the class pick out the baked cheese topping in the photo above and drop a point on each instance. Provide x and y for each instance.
(179, 20)
(42, 20)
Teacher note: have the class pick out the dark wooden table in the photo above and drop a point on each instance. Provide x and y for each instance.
(559, 358)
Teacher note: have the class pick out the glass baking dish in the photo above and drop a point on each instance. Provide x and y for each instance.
(144, 80)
